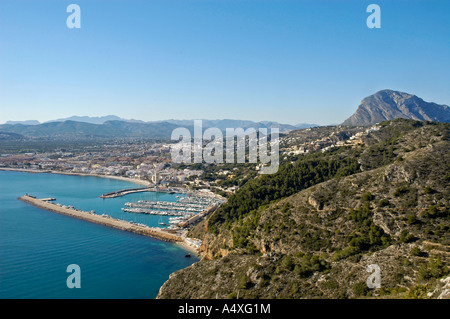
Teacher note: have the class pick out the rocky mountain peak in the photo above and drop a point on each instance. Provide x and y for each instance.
(389, 104)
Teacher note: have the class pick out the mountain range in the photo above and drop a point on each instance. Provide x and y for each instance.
(381, 106)
(76, 118)
(113, 127)
(388, 105)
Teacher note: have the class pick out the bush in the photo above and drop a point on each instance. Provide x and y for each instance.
(306, 265)
(401, 190)
(417, 292)
(244, 283)
(384, 202)
(367, 197)
(412, 219)
(346, 252)
(406, 237)
(286, 208)
(434, 270)
(360, 289)
(376, 235)
(252, 249)
(369, 234)
(232, 295)
(287, 263)
(415, 251)
(331, 284)
(431, 212)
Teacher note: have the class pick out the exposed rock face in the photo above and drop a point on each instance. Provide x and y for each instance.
(315, 203)
(388, 105)
(445, 293)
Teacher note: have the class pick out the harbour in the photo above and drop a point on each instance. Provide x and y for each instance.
(36, 245)
(103, 219)
(184, 212)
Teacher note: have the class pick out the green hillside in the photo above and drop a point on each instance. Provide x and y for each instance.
(311, 230)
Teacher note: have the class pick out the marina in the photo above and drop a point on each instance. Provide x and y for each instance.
(140, 210)
(103, 219)
(50, 241)
(168, 205)
(177, 208)
(186, 208)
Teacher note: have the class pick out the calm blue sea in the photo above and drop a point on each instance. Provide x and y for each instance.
(36, 246)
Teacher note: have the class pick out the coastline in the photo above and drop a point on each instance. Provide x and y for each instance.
(182, 243)
(189, 248)
(121, 178)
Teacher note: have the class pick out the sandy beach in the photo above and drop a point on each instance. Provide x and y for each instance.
(191, 249)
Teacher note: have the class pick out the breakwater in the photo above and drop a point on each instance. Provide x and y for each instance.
(102, 219)
(124, 192)
(127, 191)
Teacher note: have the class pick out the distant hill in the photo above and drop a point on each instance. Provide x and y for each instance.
(30, 122)
(305, 125)
(388, 105)
(128, 129)
(4, 136)
(222, 124)
(228, 123)
(73, 129)
(94, 119)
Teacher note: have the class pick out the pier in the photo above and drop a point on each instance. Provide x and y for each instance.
(102, 219)
(124, 192)
(197, 217)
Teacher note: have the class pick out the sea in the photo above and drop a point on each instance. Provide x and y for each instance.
(37, 246)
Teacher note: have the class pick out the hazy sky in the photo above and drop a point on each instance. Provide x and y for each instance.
(286, 61)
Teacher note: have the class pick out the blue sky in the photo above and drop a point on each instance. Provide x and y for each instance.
(286, 61)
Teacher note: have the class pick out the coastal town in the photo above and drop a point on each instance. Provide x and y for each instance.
(150, 162)
(147, 163)
(299, 143)
(205, 186)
